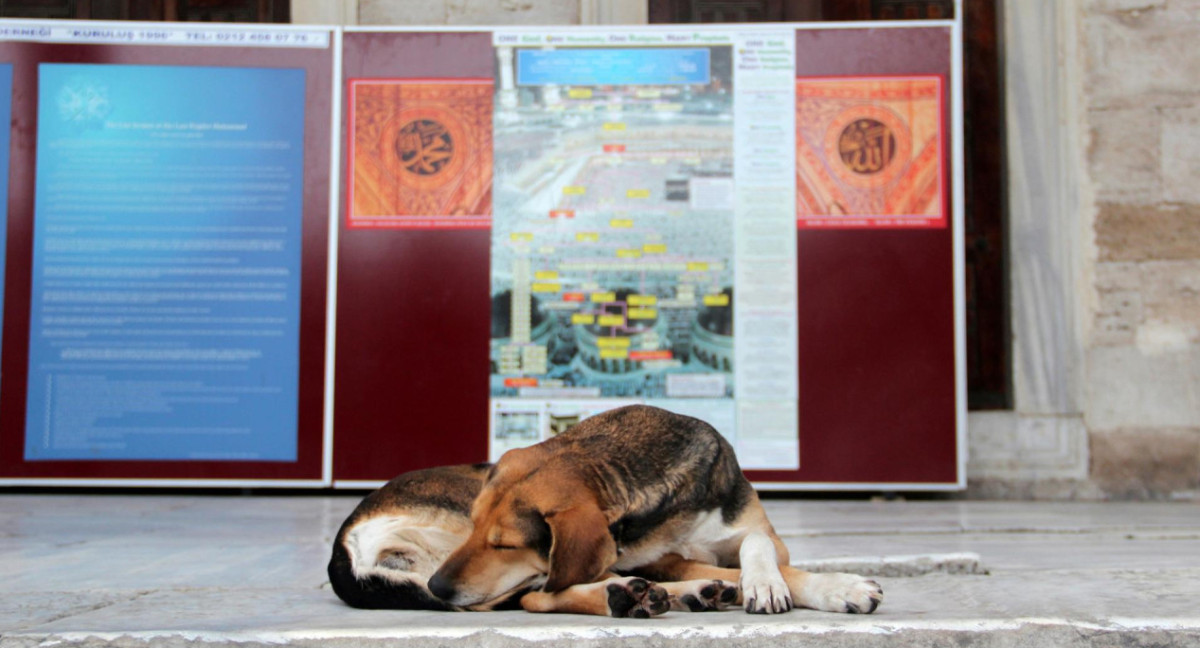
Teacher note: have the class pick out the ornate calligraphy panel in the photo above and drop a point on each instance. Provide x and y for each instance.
(869, 152)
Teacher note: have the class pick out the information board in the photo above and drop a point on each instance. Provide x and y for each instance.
(735, 222)
(232, 261)
(165, 323)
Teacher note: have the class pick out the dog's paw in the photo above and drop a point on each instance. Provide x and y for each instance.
(842, 593)
(765, 593)
(704, 596)
(636, 598)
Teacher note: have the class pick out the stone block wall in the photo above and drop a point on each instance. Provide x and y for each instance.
(1141, 88)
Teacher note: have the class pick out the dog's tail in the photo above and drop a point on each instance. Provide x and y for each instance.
(378, 591)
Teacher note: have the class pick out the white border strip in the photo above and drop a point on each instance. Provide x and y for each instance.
(958, 159)
(365, 484)
(721, 27)
(84, 32)
(331, 269)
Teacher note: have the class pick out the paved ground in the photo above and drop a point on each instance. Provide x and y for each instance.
(247, 571)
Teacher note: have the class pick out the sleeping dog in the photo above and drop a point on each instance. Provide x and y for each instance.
(393, 542)
(580, 523)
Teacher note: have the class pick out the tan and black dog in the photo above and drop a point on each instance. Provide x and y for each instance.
(635, 490)
(397, 537)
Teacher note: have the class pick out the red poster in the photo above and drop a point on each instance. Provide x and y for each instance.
(420, 153)
(869, 152)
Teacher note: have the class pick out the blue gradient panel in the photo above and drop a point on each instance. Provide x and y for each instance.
(166, 264)
(6, 119)
(630, 66)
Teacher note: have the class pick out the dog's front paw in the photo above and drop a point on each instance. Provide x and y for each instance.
(842, 593)
(637, 598)
(765, 593)
(704, 596)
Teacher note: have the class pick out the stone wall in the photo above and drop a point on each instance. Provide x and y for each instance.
(1142, 93)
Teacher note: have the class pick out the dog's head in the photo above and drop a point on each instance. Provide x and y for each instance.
(535, 525)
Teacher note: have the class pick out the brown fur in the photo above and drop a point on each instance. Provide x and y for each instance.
(636, 488)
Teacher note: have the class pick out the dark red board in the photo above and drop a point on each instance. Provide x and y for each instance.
(318, 64)
(414, 306)
(876, 308)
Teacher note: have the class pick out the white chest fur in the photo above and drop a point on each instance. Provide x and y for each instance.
(703, 537)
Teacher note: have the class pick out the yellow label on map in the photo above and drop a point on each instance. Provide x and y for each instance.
(658, 160)
(545, 274)
(629, 253)
(697, 266)
(583, 318)
(614, 126)
(642, 300)
(655, 248)
(613, 342)
(642, 313)
(668, 107)
(637, 193)
(574, 190)
(648, 93)
(546, 287)
(521, 236)
(614, 354)
(716, 300)
(621, 223)
(601, 297)
(587, 237)
(580, 93)
(611, 320)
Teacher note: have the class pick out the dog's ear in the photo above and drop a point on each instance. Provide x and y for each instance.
(581, 548)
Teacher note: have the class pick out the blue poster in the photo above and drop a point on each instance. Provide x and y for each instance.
(588, 66)
(165, 301)
(5, 120)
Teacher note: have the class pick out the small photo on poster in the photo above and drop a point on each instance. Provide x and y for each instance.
(514, 425)
(870, 152)
(519, 423)
(420, 153)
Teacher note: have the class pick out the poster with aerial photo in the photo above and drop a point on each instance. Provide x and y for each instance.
(612, 250)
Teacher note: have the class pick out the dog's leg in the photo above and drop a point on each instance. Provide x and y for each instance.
(620, 596)
(833, 592)
(764, 590)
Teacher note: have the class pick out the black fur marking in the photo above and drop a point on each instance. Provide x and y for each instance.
(694, 604)
(377, 593)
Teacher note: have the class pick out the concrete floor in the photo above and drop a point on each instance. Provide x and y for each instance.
(169, 570)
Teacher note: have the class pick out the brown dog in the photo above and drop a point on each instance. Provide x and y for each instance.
(390, 545)
(633, 490)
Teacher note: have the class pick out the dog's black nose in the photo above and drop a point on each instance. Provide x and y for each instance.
(441, 587)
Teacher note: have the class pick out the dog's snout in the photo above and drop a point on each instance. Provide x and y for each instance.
(442, 587)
